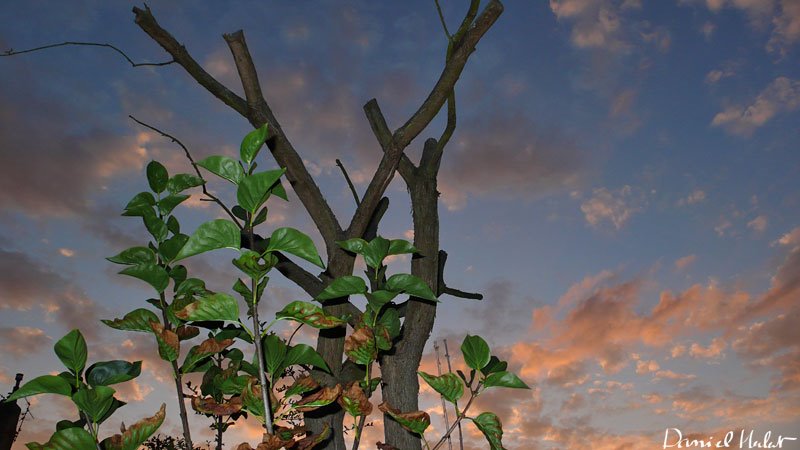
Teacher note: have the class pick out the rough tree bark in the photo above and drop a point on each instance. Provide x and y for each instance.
(400, 385)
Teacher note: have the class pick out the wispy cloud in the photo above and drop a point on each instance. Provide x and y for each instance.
(781, 96)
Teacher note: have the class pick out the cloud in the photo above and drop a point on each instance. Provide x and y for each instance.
(507, 154)
(786, 31)
(696, 196)
(759, 224)
(714, 350)
(613, 206)
(595, 24)
(684, 262)
(22, 341)
(66, 252)
(781, 96)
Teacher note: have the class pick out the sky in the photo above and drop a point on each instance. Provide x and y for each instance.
(623, 187)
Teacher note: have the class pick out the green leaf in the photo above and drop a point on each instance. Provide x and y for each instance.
(216, 234)
(94, 402)
(191, 286)
(251, 398)
(309, 314)
(295, 242)
(140, 204)
(223, 167)
(343, 287)
(360, 346)
(411, 285)
(255, 189)
(155, 226)
(492, 429)
(182, 181)
(136, 434)
(261, 216)
(391, 320)
(375, 252)
(136, 320)
(173, 225)
(112, 372)
(400, 247)
(168, 203)
(45, 384)
(248, 263)
(494, 365)
(274, 353)
(301, 386)
(504, 379)
(168, 342)
(355, 245)
(152, 274)
(476, 352)
(199, 353)
(379, 298)
(252, 143)
(134, 255)
(304, 354)
(449, 385)
(178, 274)
(73, 438)
(115, 405)
(172, 246)
(211, 307)
(157, 176)
(71, 350)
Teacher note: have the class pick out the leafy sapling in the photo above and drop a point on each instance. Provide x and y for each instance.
(90, 391)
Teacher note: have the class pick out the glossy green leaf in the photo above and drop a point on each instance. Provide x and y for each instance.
(45, 384)
(390, 319)
(494, 365)
(504, 379)
(64, 424)
(173, 225)
(400, 247)
(489, 424)
(71, 350)
(224, 167)
(255, 189)
(115, 405)
(343, 287)
(152, 274)
(168, 203)
(248, 262)
(135, 435)
(261, 217)
(182, 181)
(136, 320)
(355, 245)
(211, 307)
(411, 285)
(274, 353)
(106, 373)
(375, 252)
(72, 438)
(448, 385)
(475, 351)
(296, 243)
(304, 354)
(252, 143)
(170, 247)
(157, 176)
(155, 226)
(134, 255)
(191, 286)
(140, 204)
(309, 314)
(94, 402)
(379, 298)
(216, 234)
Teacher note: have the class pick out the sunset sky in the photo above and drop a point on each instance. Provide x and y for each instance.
(623, 187)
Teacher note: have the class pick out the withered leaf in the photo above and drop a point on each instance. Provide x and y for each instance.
(186, 332)
(414, 421)
(210, 406)
(168, 343)
(302, 385)
(354, 400)
(360, 346)
(324, 396)
(312, 441)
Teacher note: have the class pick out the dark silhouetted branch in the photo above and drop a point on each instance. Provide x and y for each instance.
(12, 52)
(349, 181)
(444, 289)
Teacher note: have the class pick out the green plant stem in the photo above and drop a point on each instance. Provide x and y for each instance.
(459, 416)
(362, 419)
(262, 378)
(176, 375)
(92, 431)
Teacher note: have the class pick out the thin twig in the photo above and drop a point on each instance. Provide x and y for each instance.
(444, 405)
(289, 342)
(210, 196)
(11, 52)
(441, 18)
(349, 182)
(455, 404)
(457, 423)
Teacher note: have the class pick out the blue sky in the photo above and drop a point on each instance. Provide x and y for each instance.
(623, 187)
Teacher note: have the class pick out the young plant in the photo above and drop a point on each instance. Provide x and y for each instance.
(154, 264)
(90, 392)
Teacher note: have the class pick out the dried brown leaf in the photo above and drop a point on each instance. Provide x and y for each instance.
(324, 396)
(210, 406)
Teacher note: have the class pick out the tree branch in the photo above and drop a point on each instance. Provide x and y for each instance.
(444, 289)
(146, 21)
(210, 197)
(259, 113)
(11, 52)
(349, 182)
